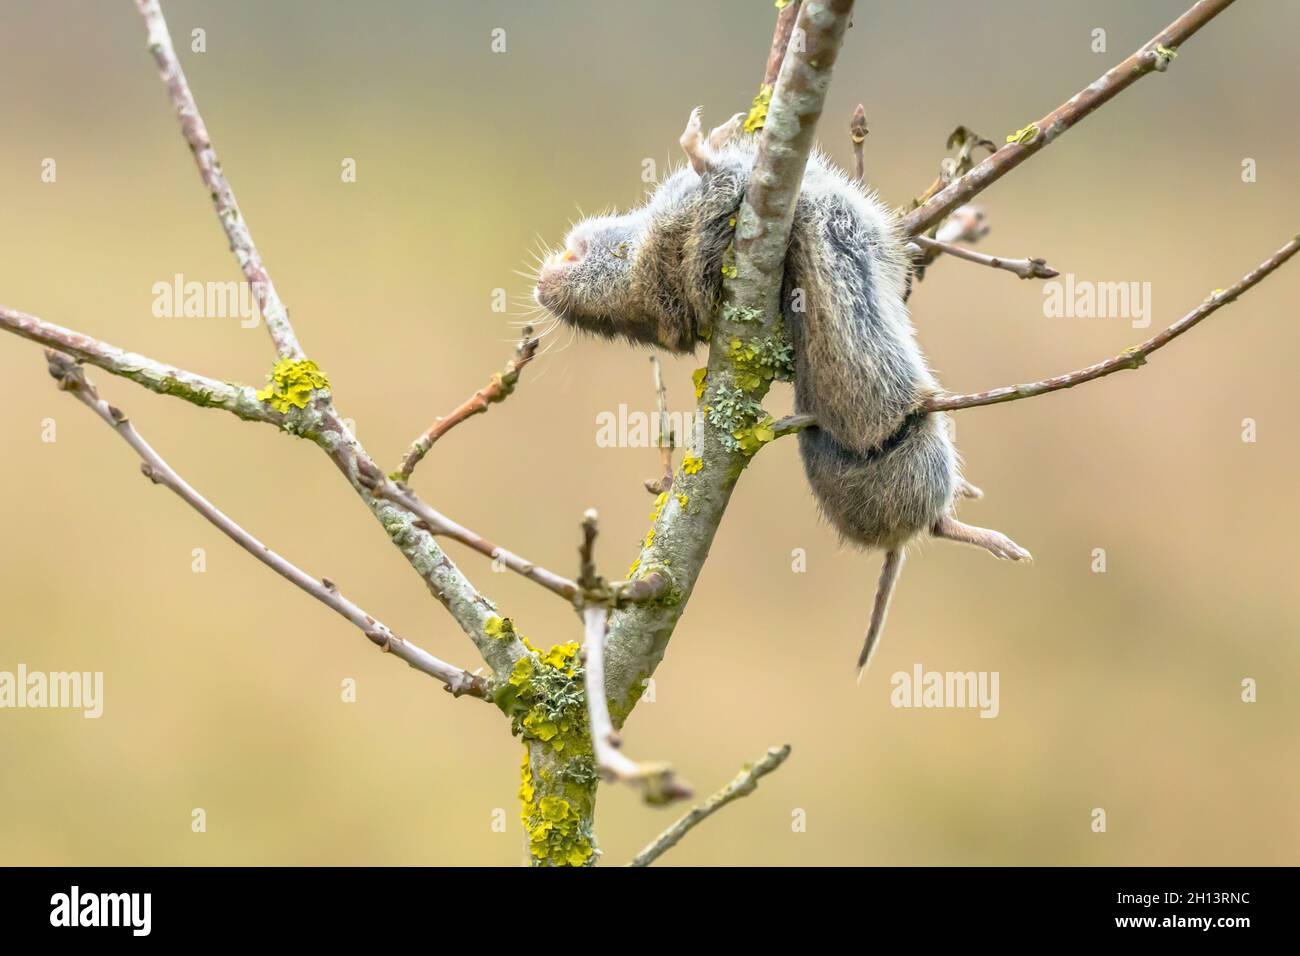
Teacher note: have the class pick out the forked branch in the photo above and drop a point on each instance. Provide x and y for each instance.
(72, 379)
(498, 389)
(1153, 56)
(745, 783)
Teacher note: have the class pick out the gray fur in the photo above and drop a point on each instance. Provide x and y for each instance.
(881, 472)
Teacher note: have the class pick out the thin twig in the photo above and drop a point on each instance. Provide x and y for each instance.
(1153, 56)
(436, 523)
(223, 197)
(965, 141)
(498, 389)
(72, 379)
(780, 41)
(667, 439)
(745, 783)
(1132, 358)
(858, 137)
(1025, 268)
(792, 424)
(656, 781)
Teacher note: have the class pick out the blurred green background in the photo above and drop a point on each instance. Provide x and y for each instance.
(1118, 690)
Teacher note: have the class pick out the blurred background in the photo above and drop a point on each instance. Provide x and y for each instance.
(1119, 690)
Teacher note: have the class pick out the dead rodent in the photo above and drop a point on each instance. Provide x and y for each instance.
(882, 470)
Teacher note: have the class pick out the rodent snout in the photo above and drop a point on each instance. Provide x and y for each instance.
(574, 251)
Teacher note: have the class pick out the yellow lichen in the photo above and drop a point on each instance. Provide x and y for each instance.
(758, 109)
(700, 377)
(692, 464)
(499, 628)
(292, 383)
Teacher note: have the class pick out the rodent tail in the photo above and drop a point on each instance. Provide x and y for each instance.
(889, 572)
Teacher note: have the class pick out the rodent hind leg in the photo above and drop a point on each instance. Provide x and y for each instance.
(720, 136)
(994, 542)
(700, 149)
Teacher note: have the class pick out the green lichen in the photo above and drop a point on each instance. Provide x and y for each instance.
(731, 411)
(190, 393)
(292, 383)
(742, 314)
(757, 362)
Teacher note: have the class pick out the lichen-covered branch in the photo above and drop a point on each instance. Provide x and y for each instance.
(498, 389)
(1131, 358)
(156, 376)
(303, 389)
(72, 379)
(686, 518)
(1153, 56)
(439, 524)
(274, 314)
(745, 783)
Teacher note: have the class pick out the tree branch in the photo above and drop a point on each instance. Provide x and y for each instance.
(780, 41)
(439, 524)
(745, 783)
(223, 197)
(1153, 56)
(687, 518)
(320, 420)
(72, 379)
(1131, 358)
(498, 389)
(240, 400)
(1025, 268)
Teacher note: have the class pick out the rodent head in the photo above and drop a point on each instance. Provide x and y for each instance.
(589, 282)
(651, 275)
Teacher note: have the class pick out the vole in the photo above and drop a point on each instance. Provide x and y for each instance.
(882, 470)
